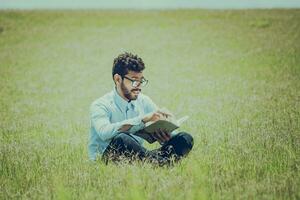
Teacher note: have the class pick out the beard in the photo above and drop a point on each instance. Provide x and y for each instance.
(129, 93)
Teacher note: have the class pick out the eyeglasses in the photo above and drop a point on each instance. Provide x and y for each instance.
(136, 83)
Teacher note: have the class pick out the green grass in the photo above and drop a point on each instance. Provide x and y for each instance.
(235, 73)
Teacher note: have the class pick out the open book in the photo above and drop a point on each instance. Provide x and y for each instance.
(169, 124)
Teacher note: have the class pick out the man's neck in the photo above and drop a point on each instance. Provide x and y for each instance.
(121, 94)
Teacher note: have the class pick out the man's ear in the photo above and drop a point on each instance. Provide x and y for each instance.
(117, 79)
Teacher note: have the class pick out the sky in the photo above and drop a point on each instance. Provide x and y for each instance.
(146, 4)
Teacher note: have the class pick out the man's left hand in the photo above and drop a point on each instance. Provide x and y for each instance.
(162, 136)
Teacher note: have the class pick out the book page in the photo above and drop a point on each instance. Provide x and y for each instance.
(182, 119)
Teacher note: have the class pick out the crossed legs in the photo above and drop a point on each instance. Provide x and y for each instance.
(125, 146)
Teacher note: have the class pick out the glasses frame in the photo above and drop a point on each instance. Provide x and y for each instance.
(136, 83)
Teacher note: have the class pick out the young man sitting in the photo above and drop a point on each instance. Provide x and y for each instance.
(117, 115)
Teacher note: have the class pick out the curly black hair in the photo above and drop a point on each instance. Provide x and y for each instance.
(125, 62)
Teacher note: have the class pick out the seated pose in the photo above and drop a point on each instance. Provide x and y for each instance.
(117, 115)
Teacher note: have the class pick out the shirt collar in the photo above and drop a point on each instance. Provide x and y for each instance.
(122, 103)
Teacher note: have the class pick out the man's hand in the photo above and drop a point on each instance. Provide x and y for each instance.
(155, 116)
(162, 136)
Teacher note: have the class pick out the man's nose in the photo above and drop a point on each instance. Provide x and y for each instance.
(138, 85)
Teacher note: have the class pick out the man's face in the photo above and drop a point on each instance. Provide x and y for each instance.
(129, 91)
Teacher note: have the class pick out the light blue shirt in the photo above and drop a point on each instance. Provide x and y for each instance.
(109, 113)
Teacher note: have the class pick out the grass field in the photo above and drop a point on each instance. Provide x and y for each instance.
(235, 73)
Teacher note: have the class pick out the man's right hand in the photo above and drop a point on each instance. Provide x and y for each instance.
(155, 116)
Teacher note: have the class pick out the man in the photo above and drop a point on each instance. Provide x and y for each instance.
(124, 111)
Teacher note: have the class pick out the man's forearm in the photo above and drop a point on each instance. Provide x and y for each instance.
(108, 130)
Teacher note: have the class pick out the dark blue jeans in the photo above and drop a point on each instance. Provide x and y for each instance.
(124, 146)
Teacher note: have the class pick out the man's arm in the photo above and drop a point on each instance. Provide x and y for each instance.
(106, 130)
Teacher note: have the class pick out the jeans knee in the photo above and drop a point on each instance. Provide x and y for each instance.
(184, 143)
(186, 138)
(121, 139)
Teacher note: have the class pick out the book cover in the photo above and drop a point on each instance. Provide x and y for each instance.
(165, 124)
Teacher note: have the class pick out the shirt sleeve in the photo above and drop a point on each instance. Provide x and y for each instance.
(105, 129)
(137, 127)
